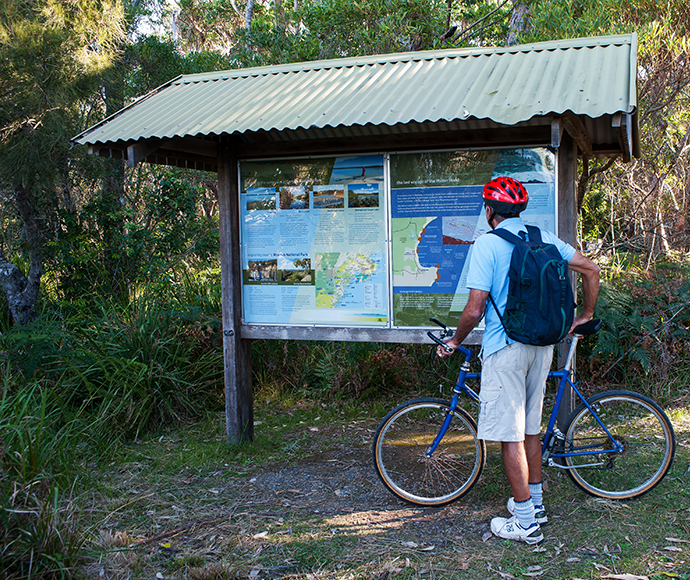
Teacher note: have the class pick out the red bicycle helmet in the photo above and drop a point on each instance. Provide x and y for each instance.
(506, 196)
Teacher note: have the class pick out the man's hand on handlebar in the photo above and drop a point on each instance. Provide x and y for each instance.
(448, 349)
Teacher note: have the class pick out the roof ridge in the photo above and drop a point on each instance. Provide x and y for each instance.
(411, 56)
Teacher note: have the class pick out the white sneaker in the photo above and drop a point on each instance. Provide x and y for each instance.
(539, 512)
(510, 529)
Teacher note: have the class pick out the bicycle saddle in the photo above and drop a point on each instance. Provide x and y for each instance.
(588, 327)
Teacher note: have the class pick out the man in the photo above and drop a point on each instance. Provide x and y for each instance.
(513, 374)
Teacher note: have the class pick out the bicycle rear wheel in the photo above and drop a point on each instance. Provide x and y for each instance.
(400, 446)
(636, 422)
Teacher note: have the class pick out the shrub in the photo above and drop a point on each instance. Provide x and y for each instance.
(644, 341)
(342, 369)
(141, 366)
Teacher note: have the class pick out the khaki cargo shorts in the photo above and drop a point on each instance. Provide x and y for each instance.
(512, 392)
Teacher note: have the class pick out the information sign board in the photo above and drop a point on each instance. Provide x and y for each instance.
(316, 248)
(314, 242)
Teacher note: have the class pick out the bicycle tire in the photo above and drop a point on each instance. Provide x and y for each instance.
(643, 428)
(399, 452)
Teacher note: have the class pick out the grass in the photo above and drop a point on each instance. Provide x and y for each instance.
(302, 502)
(79, 497)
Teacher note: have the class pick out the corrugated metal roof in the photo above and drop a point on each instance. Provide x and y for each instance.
(591, 76)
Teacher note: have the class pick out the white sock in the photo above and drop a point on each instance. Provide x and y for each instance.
(524, 512)
(535, 490)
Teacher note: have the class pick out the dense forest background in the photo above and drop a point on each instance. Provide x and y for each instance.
(110, 302)
(75, 227)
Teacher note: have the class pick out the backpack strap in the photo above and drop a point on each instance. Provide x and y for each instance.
(513, 239)
(534, 234)
(507, 236)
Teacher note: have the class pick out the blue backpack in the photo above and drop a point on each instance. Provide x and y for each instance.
(540, 307)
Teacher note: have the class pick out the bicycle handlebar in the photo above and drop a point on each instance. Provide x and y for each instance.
(444, 333)
(583, 330)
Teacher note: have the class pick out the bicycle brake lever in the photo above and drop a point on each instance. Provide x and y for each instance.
(437, 340)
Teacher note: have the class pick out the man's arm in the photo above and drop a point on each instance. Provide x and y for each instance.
(590, 287)
(470, 317)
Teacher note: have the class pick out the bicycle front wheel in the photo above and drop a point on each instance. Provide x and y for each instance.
(639, 425)
(400, 453)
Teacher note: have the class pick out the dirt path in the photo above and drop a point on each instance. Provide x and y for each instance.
(325, 514)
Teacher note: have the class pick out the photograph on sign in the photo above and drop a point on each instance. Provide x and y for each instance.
(313, 235)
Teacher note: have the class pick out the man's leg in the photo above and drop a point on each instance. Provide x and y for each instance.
(522, 526)
(533, 456)
(517, 468)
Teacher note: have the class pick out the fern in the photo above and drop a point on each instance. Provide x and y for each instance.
(646, 322)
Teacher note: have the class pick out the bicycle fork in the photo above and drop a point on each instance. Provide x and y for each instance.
(458, 389)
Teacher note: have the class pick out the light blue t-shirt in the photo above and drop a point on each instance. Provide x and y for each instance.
(488, 271)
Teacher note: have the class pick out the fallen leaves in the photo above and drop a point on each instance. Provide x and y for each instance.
(414, 546)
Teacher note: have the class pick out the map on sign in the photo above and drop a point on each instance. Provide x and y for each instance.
(373, 241)
(437, 214)
(408, 270)
(346, 279)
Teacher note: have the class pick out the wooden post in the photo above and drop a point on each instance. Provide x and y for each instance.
(567, 231)
(239, 407)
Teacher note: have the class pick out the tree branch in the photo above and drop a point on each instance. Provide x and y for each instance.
(462, 33)
(586, 176)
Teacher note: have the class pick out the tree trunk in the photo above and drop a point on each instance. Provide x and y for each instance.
(21, 291)
(518, 21)
(281, 21)
(249, 15)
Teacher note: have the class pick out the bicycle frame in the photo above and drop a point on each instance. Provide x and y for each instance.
(552, 435)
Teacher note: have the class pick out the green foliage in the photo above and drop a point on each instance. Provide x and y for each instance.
(127, 369)
(347, 370)
(50, 55)
(481, 23)
(163, 219)
(574, 19)
(644, 342)
(29, 349)
(143, 366)
(32, 445)
(341, 28)
(150, 62)
(594, 213)
(39, 536)
(624, 326)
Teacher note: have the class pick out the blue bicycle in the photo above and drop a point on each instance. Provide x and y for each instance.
(615, 445)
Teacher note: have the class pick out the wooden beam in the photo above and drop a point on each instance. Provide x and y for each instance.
(607, 150)
(392, 335)
(239, 406)
(556, 133)
(202, 153)
(622, 122)
(567, 231)
(110, 152)
(164, 156)
(193, 146)
(265, 146)
(577, 130)
(139, 151)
